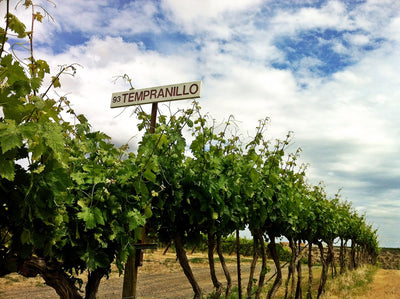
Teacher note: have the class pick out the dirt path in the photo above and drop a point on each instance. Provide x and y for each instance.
(386, 284)
(150, 285)
(174, 284)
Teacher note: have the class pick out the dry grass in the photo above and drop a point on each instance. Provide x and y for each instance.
(350, 284)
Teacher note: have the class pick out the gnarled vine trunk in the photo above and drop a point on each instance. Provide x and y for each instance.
(291, 269)
(94, 278)
(342, 255)
(53, 275)
(184, 262)
(225, 268)
(310, 272)
(252, 266)
(324, 273)
(239, 271)
(216, 283)
(357, 259)
(353, 255)
(263, 271)
(331, 258)
(274, 255)
(299, 291)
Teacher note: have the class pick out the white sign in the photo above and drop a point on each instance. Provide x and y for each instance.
(189, 90)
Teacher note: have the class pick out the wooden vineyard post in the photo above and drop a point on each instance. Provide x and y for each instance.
(153, 120)
(135, 260)
(154, 95)
(130, 277)
(131, 270)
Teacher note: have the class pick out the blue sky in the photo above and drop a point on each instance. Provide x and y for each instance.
(327, 70)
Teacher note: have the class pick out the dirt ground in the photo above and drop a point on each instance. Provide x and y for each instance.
(162, 277)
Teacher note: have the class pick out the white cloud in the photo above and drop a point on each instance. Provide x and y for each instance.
(331, 15)
(135, 17)
(74, 15)
(189, 11)
(217, 19)
(392, 31)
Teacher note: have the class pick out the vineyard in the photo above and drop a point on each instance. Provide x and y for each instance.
(71, 202)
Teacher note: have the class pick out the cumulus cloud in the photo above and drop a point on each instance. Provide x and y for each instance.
(194, 14)
(332, 15)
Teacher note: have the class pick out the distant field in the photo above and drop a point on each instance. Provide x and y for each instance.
(389, 258)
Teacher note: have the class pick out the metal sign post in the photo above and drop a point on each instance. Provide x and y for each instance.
(154, 95)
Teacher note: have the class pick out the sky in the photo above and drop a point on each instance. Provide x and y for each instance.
(327, 70)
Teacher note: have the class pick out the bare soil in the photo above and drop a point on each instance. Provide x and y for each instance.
(161, 277)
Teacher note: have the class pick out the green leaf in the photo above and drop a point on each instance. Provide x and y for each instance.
(98, 216)
(36, 83)
(138, 233)
(81, 203)
(54, 136)
(140, 188)
(25, 236)
(2, 34)
(39, 169)
(56, 82)
(41, 67)
(7, 170)
(12, 72)
(79, 177)
(87, 216)
(254, 175)
(16, 25)
(9, 136)
(38, 16)
(149, 175)
(28, 130)
(147, 211)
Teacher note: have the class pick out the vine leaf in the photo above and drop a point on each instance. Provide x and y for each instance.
(9, 136)
(16, 25)
(87, 216)
(6, 168)
(56, 82)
